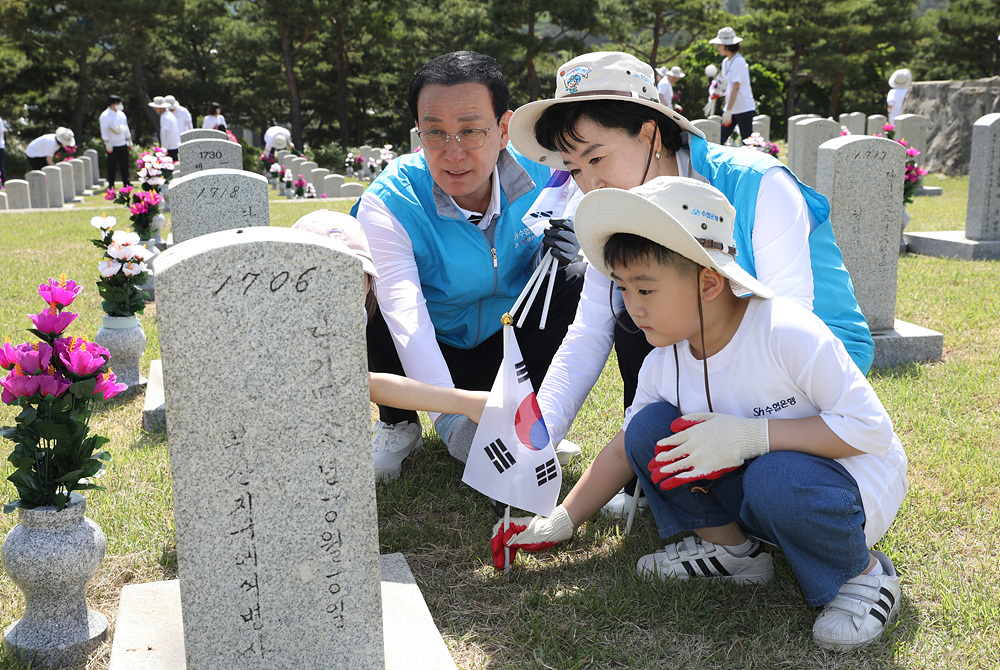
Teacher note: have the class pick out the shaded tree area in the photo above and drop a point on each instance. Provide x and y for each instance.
(337, 72)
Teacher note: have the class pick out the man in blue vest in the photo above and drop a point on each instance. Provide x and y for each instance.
(456, 230)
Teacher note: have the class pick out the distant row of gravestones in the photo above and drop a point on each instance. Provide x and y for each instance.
(54, 185)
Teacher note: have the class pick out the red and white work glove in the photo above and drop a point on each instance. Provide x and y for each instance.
(530, 534)
(706, 446)
(727, 117)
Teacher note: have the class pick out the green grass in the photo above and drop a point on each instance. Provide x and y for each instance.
(582, 606)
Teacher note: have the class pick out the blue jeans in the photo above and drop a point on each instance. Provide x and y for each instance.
(808, 506)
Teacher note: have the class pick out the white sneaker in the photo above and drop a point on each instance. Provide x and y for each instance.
(619, 506)
(859, 614)
(694, 557)
(391, 443)
(566, 451)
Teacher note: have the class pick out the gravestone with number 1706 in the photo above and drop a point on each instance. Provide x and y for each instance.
(212, 200)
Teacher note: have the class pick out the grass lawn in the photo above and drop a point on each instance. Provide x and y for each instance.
(582, 605)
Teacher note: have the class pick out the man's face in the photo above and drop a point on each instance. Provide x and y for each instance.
(160, 110)
(464, 174)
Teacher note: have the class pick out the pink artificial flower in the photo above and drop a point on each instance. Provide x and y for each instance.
(59, 293)
(125, 190)
(52, 323)
(889, 127)
(108, 386)
(139, 208)
(109, 194)
(152, 198)
(912, 151)
(18, 385)
(80, 357)
(8, 356)
(322, 195)
(53, 384)
(33, 359)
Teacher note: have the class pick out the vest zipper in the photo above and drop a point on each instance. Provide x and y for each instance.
(496, 282)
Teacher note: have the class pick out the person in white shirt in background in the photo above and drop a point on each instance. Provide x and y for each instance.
(214, 118)
(42, 150)
(735, 77)
(170, 136)
(277, 138)
(117, 140)
(3, 152)
(665, 89)
(184, 122)
(899, 84)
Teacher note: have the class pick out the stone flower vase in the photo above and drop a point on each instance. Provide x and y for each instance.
(905, 223)
(154, 248)
(158, 222)
(281, 187)
(125, 339)
(51, 556)
(165, 192)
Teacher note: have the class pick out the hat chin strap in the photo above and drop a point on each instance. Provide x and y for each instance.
(704, 355)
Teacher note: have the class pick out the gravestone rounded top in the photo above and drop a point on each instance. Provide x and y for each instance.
(203, 134)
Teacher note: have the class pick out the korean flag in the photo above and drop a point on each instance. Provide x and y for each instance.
(512, 458)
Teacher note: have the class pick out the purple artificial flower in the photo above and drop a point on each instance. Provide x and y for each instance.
(50, 322)
(59, 293)
(108, 386)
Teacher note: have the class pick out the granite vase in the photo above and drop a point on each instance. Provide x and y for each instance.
(51, 556)
(905, 223)
(158, 222)
(125, 339)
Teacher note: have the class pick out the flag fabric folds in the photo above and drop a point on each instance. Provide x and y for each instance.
(512, 459)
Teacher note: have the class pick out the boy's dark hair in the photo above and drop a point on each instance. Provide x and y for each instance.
(556, 128)
(732, 48)
(462, 67)
(624, 249)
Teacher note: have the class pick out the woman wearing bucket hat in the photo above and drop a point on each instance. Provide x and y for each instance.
(277, 138)
(607, 128)
(42, 150)
(739, 107)
(665, 89)
(899, 84)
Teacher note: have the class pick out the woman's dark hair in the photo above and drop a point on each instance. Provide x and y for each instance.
(462, 67)
(624, 249)
(213, 109)
(556, 129)
(732, 48)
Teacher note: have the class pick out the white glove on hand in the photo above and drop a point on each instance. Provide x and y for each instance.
(727, 117)
(107, 145)
(530, 534)
(706, 446)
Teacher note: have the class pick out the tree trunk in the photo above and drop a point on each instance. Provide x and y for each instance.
(792, 90)
(82, 93)
(534, 88)
(293, 89)
(142, 90)
(345, 130)
(835, 95)
(654, 53)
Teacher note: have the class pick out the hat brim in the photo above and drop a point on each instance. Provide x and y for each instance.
(522, 124)
(607, 211)
(716, 40)
(894, 82)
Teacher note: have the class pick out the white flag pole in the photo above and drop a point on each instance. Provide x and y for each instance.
(546, 261)
(548, 292)
(503, 534)
(507, 331)
(542, 264)
(634, 507)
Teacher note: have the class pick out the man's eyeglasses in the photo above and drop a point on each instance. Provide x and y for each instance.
(470, 138)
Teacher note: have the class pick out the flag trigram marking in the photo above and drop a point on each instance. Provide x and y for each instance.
(521, 370)
(546, 471)
(500, 455)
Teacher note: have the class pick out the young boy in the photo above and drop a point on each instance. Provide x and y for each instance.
(750, 423)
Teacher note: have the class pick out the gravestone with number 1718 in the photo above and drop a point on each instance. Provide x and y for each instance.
(212, 200)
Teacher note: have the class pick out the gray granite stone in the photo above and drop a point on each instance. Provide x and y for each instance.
(217, 199)
(928, 190)
(77, 166)
(854, 122)
(811, 134)
(18, 194)
(914, 129)
(332, 185)
(317, 177)
(69, 190)
(982, 218)
(154, 413)
(296, 166)
(307, 169)
(3, 201)
(712, 130)
(54, 185)
(352, 190)
(762, 126)
(862, 177)
(286, 160)
(792, 133)
(38, 189)
(51, 556)
(203, 134)
(277, 543)
(875, 123)
(952, 244)
(281, 154)
(907, 343)
(198, 155)
(95, 166)
(88, 172)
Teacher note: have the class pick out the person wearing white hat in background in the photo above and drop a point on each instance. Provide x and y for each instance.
(899, 84)
(42, 150)
(665, 89)
(117, 139)
(751, 424)
(184, 122)
(170, 136)
(606, 126)
(277, 138)
(739, 108)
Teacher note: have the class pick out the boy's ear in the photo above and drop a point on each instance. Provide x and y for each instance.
(712, 283)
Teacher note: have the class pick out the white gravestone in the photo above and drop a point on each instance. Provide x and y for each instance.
(811, 134)
(278, 155)
(277, 539)
(712, 130)
(317, 177)
(3, 201)
(762, 126)
(220, 199)
(307, 169)
(352, 190)
(198, 155)
(95, 167)
(38, 189)
(296, 166)
(854, 122)
(203, 134)
(88, 173)
(18, 194)
(78, 181)
(981, 238)
(53, 177)
(69, 191)
(793, 133)
(332, 185)
(875, 123)
(862, 177)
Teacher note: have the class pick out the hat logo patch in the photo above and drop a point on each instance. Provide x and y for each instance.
(572, 78)
(705, 213)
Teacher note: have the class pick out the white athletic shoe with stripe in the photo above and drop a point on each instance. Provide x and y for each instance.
(861, 611)
(694, 557)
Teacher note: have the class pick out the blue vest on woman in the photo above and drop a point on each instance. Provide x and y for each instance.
(737, 173)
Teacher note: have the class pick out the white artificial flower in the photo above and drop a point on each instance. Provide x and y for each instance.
(156, 181)
(103, 221)
(131, 269)
(108, 267)
(123, 238)
(141, 253)
(120, 252)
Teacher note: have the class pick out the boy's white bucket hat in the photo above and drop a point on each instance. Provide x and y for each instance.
(344, 230)
(726, 36)
(280, 141)
(65, 136)
(684, 215)
(900, 78)
(676, 71)
(604, 75)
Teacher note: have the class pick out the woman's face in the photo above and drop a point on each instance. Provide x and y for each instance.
(608, 157)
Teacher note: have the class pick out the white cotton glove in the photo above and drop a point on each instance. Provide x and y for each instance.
(107, 145)
(706, 446)
(727, 117)
(530, 534)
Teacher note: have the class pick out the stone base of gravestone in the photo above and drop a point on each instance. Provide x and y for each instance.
(154, 411)
(907, 343)
(149, 634)
(928, 190)
(952, 244)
